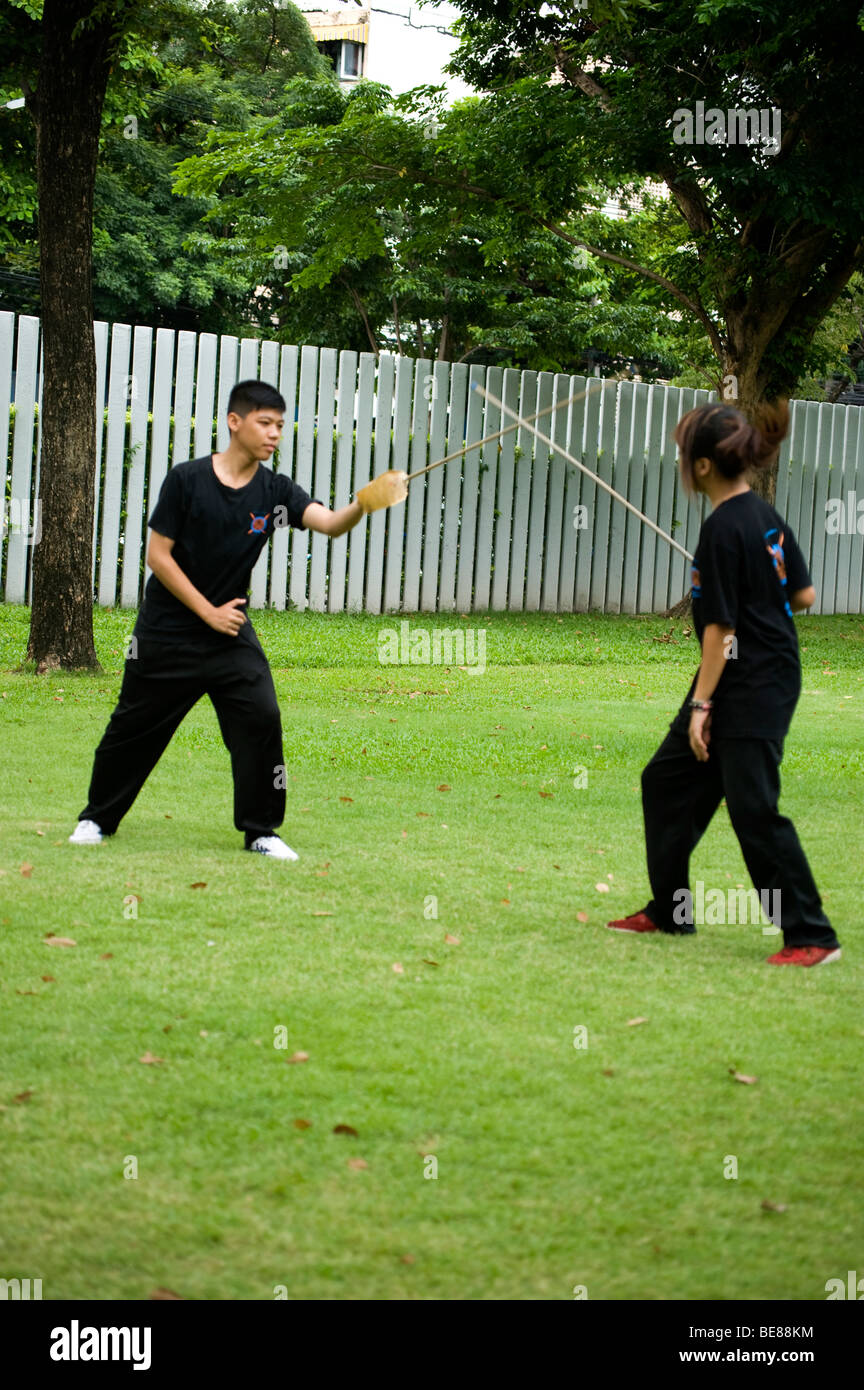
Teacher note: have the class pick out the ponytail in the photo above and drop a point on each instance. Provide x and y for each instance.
(722, 434)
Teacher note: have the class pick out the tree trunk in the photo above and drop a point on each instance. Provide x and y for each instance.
(68, 111)
(682, 609)
(745, 388)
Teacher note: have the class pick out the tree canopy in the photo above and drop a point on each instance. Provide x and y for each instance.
(186, 67)
(356, 238)
(769, 231)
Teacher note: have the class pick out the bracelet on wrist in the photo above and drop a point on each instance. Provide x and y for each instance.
(702, 704)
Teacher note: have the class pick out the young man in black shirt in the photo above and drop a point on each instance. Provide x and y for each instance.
(193, 637)
(748, 578)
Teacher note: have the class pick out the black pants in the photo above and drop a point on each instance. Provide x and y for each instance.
(679, 797)
(161, 683)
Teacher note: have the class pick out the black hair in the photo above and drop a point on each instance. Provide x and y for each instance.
(721, 433)
(254, 395)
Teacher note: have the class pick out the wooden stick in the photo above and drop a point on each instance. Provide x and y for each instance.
(578, 464)
(487, 439)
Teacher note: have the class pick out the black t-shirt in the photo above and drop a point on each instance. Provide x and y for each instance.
(746, 565)
(218, 533)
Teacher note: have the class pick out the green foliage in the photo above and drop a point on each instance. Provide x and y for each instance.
(18, 68)
(740, 265)
(223, 69)
(763, 242)
(365, 220)
(355, 213)
(186, 68)
(32, 8)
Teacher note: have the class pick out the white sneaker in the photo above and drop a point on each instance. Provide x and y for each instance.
(86, 832)
(272, 845)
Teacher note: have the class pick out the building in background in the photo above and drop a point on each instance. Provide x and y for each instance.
(398, 44)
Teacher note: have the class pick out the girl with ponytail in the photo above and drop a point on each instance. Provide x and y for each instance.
(748, 579)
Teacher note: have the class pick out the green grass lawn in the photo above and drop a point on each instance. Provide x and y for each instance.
(557, 1166)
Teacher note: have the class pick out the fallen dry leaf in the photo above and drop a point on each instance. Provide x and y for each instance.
(167, 1028)
(49, 979)
(26, 870)
(423, 814)
(745, 1080)
(547, 793)
(109, 955)
(346, 1129)
(608, 1071)
(302, 1124)
(398, 969)
(451, 940)
(148, 1059)
(51, 940)
(22, 1097)
(407, 1260)
(444, 787)
(163, 1294)
(192, 885)
(602, 887)
(582, 916)
(506, 902)
(357, 1163)
(27, 991)
(298, 1057)
(773, 1206)
(346, 798)
(323, 914)
(427, 961)
(631, 1022)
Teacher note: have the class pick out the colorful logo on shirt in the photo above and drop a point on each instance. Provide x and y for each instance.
(695, 583)
(775, 550)
(259, 524)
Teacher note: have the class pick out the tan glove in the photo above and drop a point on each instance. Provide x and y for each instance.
(384, 491)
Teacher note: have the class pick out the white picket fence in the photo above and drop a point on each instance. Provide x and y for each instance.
(495, 529)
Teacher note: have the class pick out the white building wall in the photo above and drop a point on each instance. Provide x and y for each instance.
(407, 50)
(408, 45)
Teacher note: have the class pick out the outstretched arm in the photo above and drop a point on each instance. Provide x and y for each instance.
(384, 491)
(319, 518)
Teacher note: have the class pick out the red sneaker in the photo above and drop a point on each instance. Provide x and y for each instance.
(804, 955)
(637, 921)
